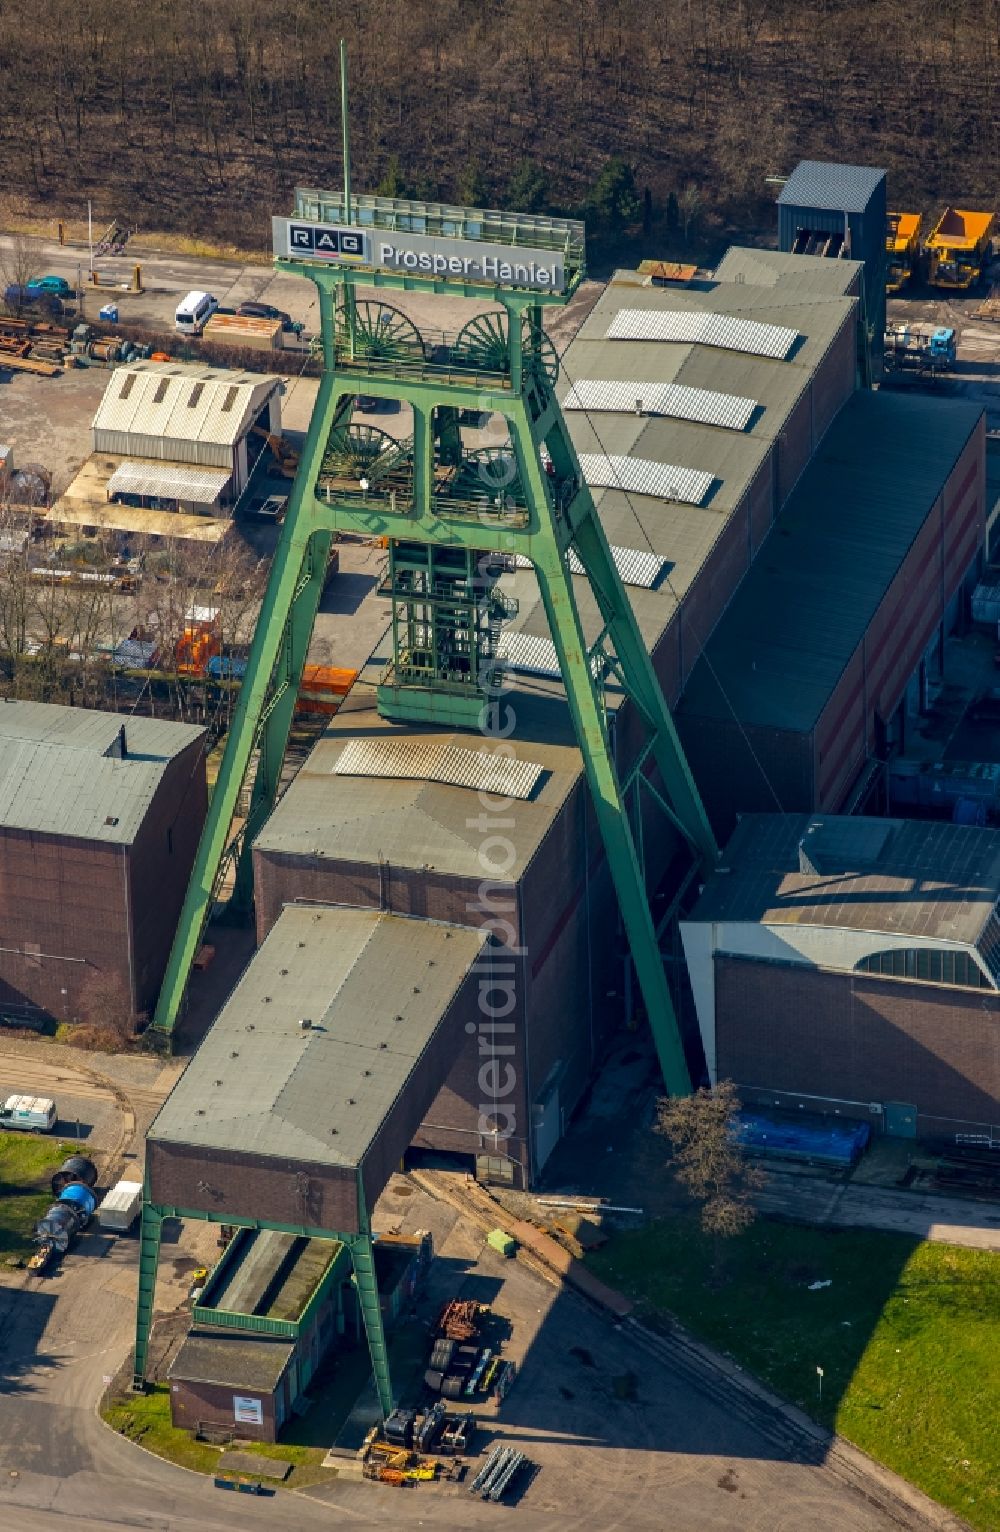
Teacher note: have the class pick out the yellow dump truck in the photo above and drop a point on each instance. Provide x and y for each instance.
(902, 248)
(959, 247)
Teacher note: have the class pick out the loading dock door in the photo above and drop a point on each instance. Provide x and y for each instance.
(900, 1120)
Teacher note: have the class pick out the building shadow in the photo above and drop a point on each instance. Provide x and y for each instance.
(345, 594)
(24, 1315)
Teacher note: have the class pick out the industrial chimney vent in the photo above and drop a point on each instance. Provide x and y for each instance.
(118, 748)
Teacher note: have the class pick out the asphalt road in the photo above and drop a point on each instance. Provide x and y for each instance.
(84, 1108)
(167, 277)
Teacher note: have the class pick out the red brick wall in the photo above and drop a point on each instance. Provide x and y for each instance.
(843, 735)
(789, 1027)
(667, 657)
(89, 906)
(903, 626)
(192, 1404)
(64, 900)
(795, 445)
(229, 1183)
(160, 867)
(568, 967)
(761, 502)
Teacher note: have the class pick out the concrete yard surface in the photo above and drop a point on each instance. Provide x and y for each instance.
(618, 1435)
(47, 420)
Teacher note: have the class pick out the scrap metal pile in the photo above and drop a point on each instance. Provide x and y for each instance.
(39, 346)
(398, 1454)
(461, 1365)
(32, 347)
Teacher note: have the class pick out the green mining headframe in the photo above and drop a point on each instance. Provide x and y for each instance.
(457, 508)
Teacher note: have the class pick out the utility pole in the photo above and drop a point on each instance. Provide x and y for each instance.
(346, 129)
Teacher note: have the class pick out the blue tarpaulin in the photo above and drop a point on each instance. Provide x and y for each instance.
(832, 1143)
(223, 667)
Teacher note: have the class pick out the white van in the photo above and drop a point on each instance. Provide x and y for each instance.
(32, 1114)
(194, 312)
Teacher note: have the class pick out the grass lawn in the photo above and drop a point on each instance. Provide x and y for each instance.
(26, 1163)
(908, 1336)
(145, 1418)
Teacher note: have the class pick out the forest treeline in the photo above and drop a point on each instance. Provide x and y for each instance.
(201, 115)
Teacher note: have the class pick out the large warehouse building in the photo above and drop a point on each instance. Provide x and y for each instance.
(730, 410)
(99, 821)
(787, 538)
(852, 965)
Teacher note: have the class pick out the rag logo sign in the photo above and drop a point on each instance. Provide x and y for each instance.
(310, 239)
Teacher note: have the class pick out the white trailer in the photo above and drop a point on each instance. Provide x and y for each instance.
(120, 1208)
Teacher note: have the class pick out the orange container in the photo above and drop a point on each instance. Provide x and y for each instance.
(323, 688)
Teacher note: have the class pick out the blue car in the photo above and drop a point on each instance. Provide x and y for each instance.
(17, 297)
(50, 284)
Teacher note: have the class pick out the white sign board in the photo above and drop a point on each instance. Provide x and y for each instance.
(248, 1412)
(420, 255)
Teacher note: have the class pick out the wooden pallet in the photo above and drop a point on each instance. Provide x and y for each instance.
(25, 364)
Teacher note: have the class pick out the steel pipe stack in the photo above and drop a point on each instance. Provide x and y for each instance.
(497, 1473)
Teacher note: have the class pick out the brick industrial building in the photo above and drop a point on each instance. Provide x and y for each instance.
(272, 1308)
(853, 966)
(99, 821)
(802, 498)
(827, 646)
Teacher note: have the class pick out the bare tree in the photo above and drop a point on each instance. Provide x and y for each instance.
(707, 1159)
(105, 1018)
(689, 205)
(17, 267)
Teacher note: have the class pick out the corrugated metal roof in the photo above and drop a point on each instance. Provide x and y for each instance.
(635, 566)
(701, 404)
(178, 402)
(724, 330)
(798, 616)
(834, 188)
(418, 824)
(56, 778)
(802, 297)
(410, 760)
(168, 481)
(643, 476)
(375, 986)
(920, 878)
(529, 654)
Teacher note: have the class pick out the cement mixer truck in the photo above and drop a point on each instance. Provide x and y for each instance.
(75, 1200)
